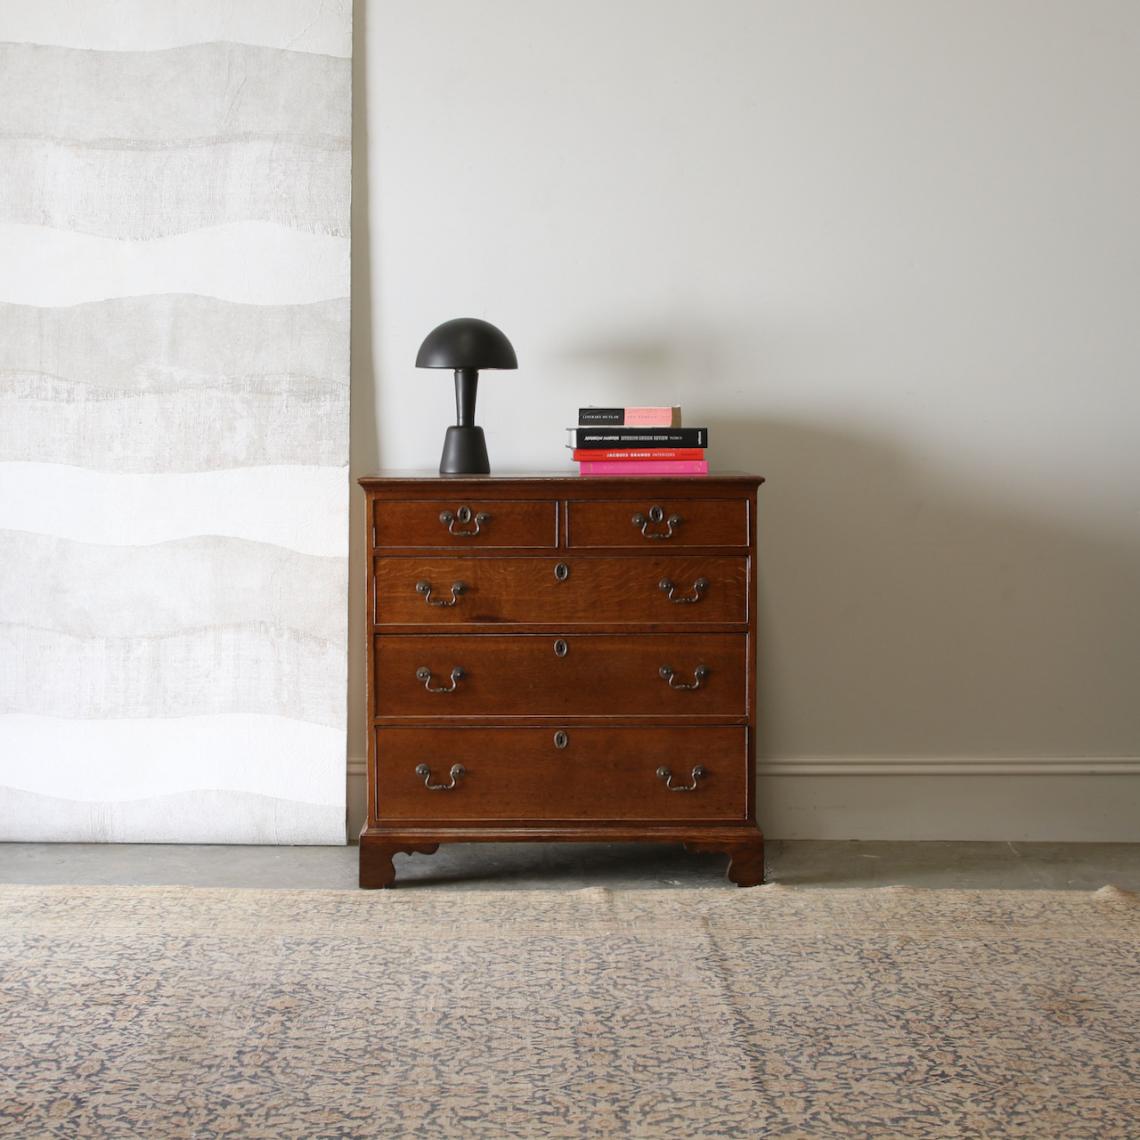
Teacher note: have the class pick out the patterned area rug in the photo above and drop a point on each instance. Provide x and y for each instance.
(177, 1012)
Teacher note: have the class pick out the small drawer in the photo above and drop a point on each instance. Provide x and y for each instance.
(659, 676)
(466, 774)
(670, 590)
(657, 522)
(467, 524)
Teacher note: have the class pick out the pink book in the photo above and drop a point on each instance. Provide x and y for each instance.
(645, 467)
(652, 417)
(629, 417)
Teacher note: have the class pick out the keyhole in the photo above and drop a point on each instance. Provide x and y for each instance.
(560, 648)
(656, 514)
(463, 514)
(561, 739)
(561, 571)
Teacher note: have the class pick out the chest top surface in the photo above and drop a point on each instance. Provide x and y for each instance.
(546, 485)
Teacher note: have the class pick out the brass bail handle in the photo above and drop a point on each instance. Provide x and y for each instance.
(425, 589)
(696, 775)
(456, 773)
(656, 514)
(462, 515)
(668, 674)
(699, 588)
(423, 673)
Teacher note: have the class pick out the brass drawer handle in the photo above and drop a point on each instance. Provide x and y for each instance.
(656, 514)
(699, 674)
(423, 673)
(463, 517)
(697, 774)
(424, 772)
(425, 588)
(699, 588)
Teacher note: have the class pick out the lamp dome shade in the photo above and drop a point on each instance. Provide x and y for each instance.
(466, 342)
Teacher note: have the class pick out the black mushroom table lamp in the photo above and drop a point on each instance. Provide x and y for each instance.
(466, 344)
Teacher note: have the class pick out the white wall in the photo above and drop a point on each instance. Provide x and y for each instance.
(889, 251)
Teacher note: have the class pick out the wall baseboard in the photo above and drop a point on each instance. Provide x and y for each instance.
(958, 766)
(1047, 799)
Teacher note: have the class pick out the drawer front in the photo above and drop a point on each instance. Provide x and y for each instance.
(469, 524)
(547, 591)
(654, 521)
(598, 774)
(495, 675)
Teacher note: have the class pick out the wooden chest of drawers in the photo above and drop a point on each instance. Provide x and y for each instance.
(557, 658)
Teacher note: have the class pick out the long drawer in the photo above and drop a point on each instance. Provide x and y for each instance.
(542, 675)
(465, 774)
(572, 591)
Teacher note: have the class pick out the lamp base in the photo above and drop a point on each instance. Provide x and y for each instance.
(464, 452)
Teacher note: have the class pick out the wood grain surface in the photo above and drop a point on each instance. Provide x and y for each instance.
(600, 773)
(580, 675)
(509, 590)
(527, 687)
(697, 522)
(520, 524)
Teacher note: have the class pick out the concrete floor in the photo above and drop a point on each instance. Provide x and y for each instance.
(567, 866)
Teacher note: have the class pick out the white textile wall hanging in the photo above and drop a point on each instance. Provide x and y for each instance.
(174, 323)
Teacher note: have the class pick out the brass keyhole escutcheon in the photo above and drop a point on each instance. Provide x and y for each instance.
(561, 739)
(463, 514)
(561, 571)
(561, 648)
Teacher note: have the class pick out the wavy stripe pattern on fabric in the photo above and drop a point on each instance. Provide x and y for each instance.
(257, 420)
(301, 508)
(207, 815)
(125, 192)
(252, 668)
(172, 341)
(191, 583)
(203, 91)
(148, 25)
(174, 323)
(259, 263)
(158, 757)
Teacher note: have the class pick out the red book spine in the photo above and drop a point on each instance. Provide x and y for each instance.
(639, 454)
(652, 467)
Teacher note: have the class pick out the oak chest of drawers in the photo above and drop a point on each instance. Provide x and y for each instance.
(559, 658)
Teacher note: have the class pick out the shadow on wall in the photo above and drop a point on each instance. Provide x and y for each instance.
(901, 615)
(363, 434)
(646, 371)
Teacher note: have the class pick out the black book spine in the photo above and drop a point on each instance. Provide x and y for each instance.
(591, 416)
(599, 438)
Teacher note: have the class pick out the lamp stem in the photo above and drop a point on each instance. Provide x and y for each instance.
(466, 386)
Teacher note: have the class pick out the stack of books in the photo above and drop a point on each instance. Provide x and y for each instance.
(637, 441)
